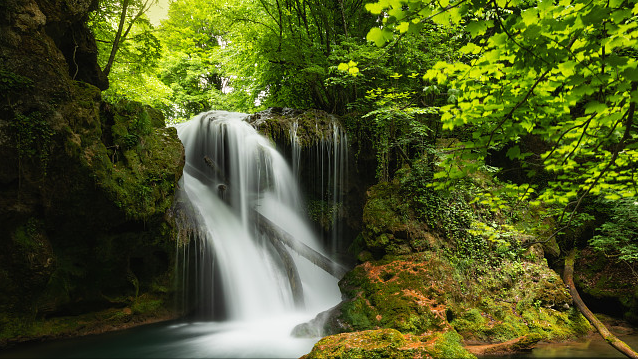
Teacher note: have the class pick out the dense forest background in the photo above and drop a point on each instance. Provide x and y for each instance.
(541, 94)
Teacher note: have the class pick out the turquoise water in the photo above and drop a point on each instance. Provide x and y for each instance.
(178, 340)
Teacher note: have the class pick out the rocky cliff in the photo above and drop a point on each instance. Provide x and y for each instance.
(84, 186)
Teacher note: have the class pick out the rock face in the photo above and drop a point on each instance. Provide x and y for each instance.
(606, 285)
(84, 185)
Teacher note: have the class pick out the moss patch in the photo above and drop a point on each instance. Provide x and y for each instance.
(310, 126)
(389, 343)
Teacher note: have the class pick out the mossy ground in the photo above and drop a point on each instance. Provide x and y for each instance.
(144, 309)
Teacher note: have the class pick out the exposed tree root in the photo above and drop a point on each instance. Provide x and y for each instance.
(568, 277)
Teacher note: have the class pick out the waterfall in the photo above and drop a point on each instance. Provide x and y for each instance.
(328, 171)
(240, 188)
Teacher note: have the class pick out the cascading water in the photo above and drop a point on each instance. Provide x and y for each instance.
(242, 191)
(328, 175)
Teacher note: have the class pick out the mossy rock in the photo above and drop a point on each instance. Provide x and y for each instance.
(404, 294)
(77, 214)
(310, 126)
(390, 226)
(144, 309)
(142, 161)
(423, 292)
(610, 286)
(389, 343)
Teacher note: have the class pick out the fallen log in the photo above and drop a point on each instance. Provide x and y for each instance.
(272, 230)
(568, 277)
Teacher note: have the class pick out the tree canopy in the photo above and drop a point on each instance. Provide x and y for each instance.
(551, 84)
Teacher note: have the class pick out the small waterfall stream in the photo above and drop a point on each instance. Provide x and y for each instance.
(328, 172)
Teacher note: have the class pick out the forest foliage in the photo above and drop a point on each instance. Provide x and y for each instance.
(540, 93)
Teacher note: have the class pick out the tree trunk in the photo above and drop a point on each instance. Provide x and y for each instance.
(318, 259)
(600, 327)
(118, 36)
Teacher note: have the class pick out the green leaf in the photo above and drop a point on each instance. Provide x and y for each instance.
(631, 73)
(477, 28)
(374, 8)
(377, 36)
(403, 26)
(513, 152)
(470, 48)
(595, 107)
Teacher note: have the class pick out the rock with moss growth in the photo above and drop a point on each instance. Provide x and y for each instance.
(607, 286)
(389, 343)
(85, 187)
(390, 225)
(307, 127)
(424, 292)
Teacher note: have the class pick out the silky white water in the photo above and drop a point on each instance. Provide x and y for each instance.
(231, 173)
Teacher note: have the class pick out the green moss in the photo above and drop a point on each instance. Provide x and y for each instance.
(147, 304)
(311, 125)
(33, 137)
(449, 345)
(29, 236)
(389, 343)
(422, 292)
(140, 167)
(12, 82)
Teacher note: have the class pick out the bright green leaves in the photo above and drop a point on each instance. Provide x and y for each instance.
(478, 28)
(351, 68)
(408, 16)
(379, 36)
(470, 48)
(376, 8)
(563, 74)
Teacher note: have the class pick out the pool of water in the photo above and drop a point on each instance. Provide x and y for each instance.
(265, 339)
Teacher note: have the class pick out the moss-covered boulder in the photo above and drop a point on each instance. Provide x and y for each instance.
(422, 292)
(389, 343)
(307, 126)
(390, 224)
